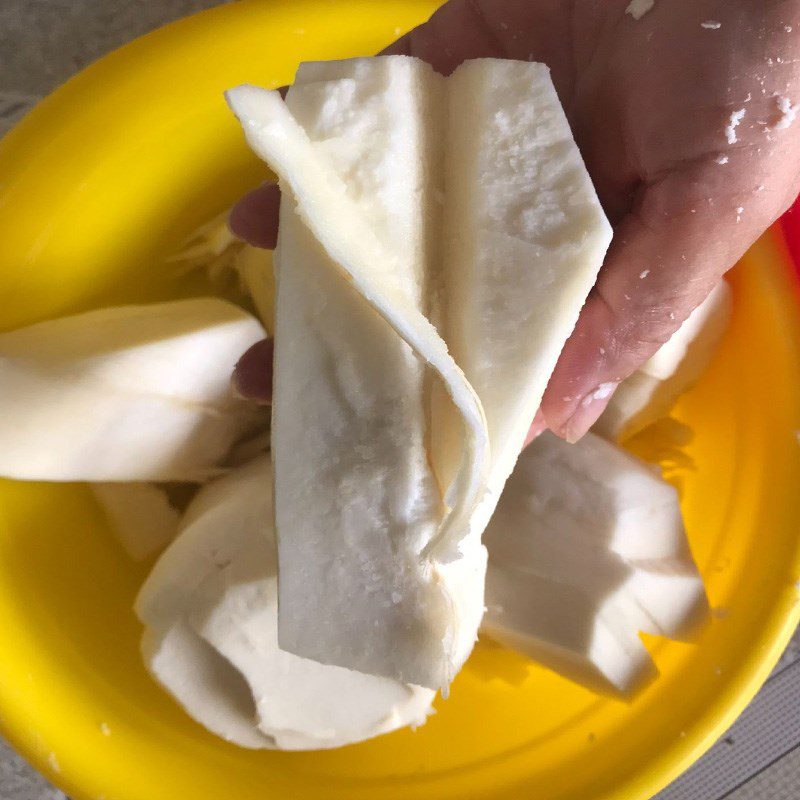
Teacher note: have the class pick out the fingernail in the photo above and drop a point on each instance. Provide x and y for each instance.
(252, 375)
(588, 412)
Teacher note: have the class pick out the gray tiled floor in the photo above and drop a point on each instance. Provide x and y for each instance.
(779, 781)
(42, 42)
(19, 782)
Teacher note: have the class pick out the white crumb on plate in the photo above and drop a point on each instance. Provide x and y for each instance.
(638, 8)
(643, 274)
(733, 122)
(722, 159)
(104, 729)
(711, 25)
(299, 31)
(398, 31)
(52, 760)
(787, 111)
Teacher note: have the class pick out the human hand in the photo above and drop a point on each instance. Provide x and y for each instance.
(686, 179)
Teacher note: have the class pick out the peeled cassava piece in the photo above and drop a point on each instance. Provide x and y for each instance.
(254, 269)
(652, 390)
(355, 498)
(388, 458)
(587, 549)
(140, 516)
(524, 239)
(211, 617)
(215, 250)
(134, 393)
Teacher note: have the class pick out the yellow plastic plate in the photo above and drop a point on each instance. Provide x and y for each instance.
(97, 186)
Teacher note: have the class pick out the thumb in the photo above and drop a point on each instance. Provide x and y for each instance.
(682, 234)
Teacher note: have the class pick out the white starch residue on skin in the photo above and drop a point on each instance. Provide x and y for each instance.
(638, 8)
(788, 113)
(643, 274)
(603, 391)
(721, 159)
(711, 25)
(733, 122)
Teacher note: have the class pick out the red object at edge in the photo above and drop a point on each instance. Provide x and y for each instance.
(790, 222)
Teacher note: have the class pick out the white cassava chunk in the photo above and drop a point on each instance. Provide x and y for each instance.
(587, 549)
(334, 212)
(356, 499)
(254, 268)
(649, 393)
(252, 447)
(524, 239)
(207, 248)
(211, 532)
(360, 156)
(300, 703)
(140, 516)
(210, 609)
(214, 250)
(663, 602)
(634, 513)
(203, 682)
(565, 629)
(134, 393)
